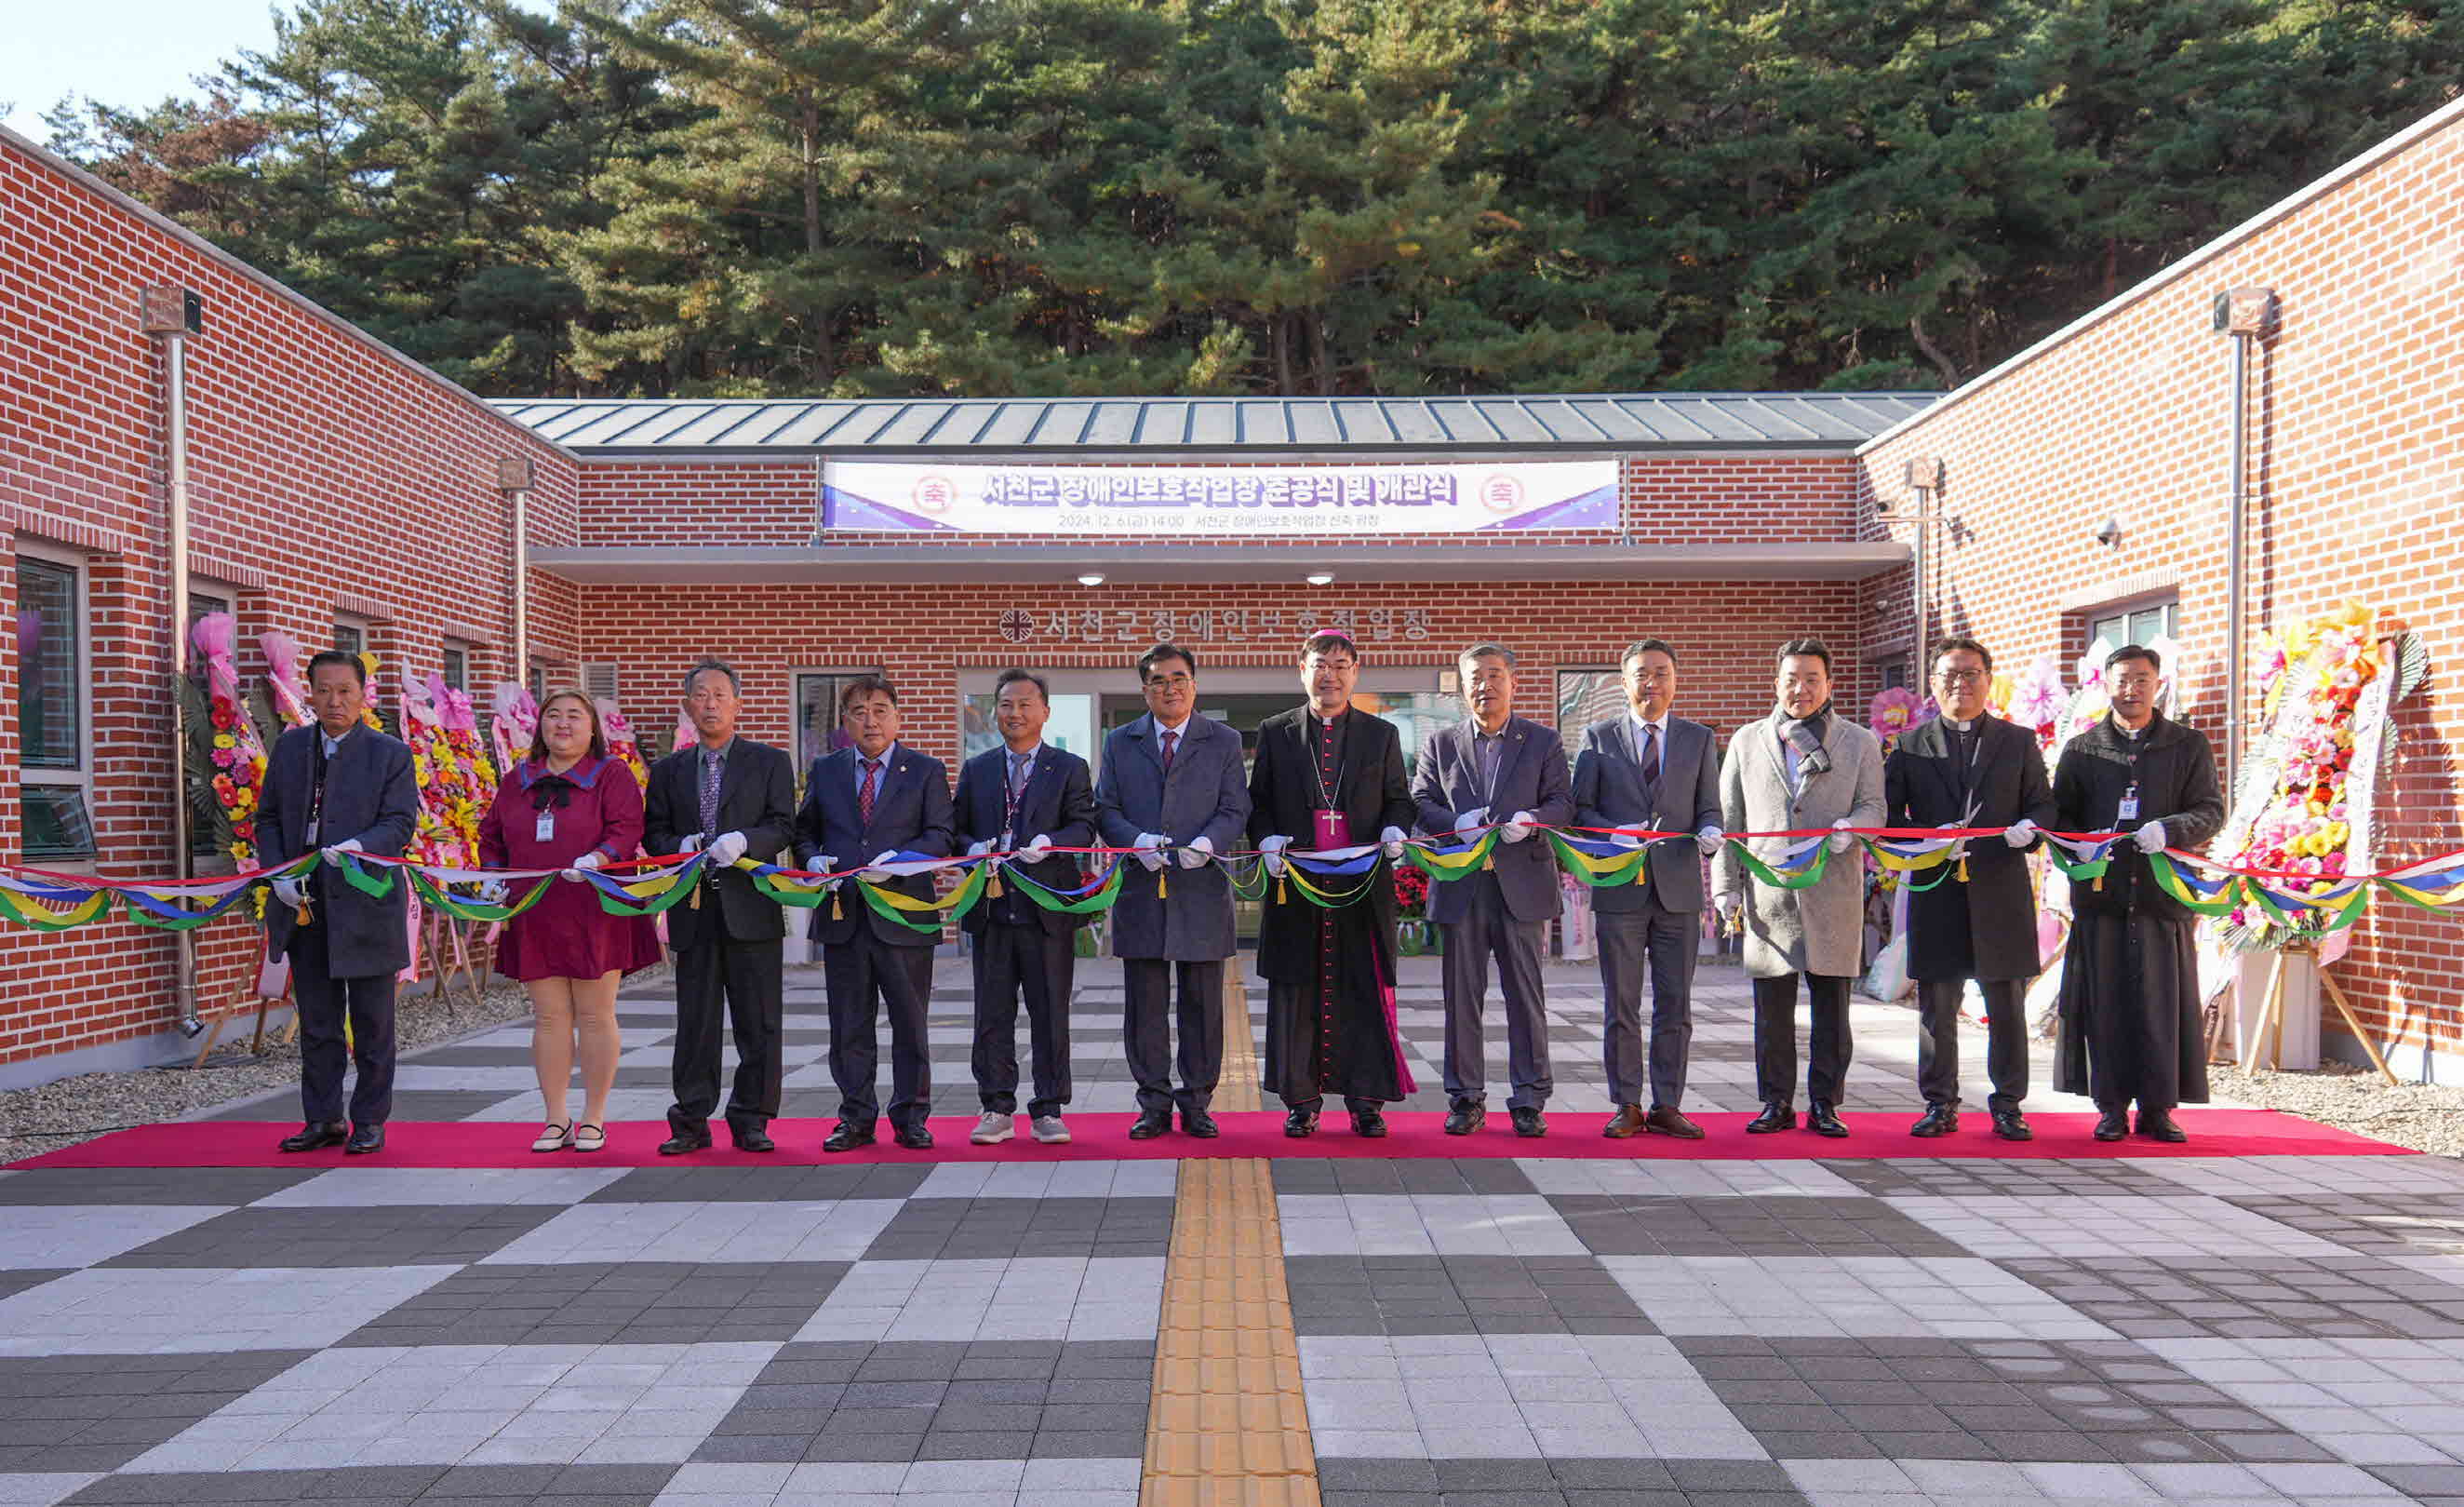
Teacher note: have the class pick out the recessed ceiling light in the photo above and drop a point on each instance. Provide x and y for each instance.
(1091, 578)
(1320, 578)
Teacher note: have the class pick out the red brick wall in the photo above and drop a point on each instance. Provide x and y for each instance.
(2356, 490)
(324, 472)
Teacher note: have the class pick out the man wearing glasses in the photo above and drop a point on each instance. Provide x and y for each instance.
(1976, 920)
(2130, 976)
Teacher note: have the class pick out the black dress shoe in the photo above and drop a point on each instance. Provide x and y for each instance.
(1300, 1123)
(1199, 1123)
(2012, 1125)
(1939, 1119)
(915, 1138)
(2112, 1125)
(1529, 1123)
(1151, 1123)
(317, 1138)
(849, 1134)
(2158, 1125)
(1465, 1119)
(1627, 1121)
(1665, 1119)
(1775, 1117)
(1823, 1121)
(752, 1137)
(683, 1143)
(1368, 1122)
(364, 1140)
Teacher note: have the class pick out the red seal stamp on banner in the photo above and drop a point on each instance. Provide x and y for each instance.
(935, 494)
(1500, 493)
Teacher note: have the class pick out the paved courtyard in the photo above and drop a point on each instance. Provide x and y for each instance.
(1408, 1331)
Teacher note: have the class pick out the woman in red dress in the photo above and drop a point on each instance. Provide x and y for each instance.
(570, 807)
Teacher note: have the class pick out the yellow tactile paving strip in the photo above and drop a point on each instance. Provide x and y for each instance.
(1228, 1427)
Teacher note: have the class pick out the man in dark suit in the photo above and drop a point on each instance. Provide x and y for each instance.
(1025, 798)
(1651, 770)
(875, 799)
(732, 797)
(1173, 788)
(1329, 776)
(1968, 769)
(1495, 769)
(341, 786)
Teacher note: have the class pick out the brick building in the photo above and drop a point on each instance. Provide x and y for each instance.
(338, 489)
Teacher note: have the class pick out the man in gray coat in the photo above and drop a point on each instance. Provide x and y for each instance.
(1495, 769)
(1803, 766)
(340, 786)
(1173, 788)
(1651, 770)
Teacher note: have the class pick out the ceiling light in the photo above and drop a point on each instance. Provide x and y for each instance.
(1320, 578)
(1091, 578)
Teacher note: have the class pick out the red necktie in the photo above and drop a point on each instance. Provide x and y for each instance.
(864, 792)
(1169, 740)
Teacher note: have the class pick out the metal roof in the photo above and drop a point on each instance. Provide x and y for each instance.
(898, 427)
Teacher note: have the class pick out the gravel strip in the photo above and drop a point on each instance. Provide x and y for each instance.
(94, 1104)
(2425, 1117)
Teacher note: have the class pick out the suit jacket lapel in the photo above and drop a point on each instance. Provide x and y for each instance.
(1036, 770)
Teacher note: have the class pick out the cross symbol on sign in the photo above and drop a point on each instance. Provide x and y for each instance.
(1018, 625)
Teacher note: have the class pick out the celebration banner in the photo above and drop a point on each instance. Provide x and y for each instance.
(1200, 501)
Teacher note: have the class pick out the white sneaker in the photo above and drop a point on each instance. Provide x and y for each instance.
(1050, 1130)
(994, 1128)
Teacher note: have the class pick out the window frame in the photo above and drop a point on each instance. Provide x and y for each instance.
(80, 775)
(796, 678)
(446, 652)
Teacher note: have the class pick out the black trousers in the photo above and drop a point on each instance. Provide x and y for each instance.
(1010, 959)
(2006, 1039)
(740, 981)
(1491, 931)
(865, 977)
(1826, 1071)
(1663, 940)
(323, 1002)
(1148, 988)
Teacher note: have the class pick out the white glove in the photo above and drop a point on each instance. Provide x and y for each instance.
(289, 894)
(978, 848)
(1625, 839)
(2020, 834)
(1150, 850)
(346, 845)
(692, 844)
(874, 872)
(1841, 841)
(1471, 818)
(1519, 826)
(2150, 838)
(1393, 838)
(1709, 841)
(592, 859)
(824, 863)
(493, 892)
(726, 847)
(1038, 849)
(1196, 851)
(1273, 849)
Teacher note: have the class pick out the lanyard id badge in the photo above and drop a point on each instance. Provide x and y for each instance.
(545, 829)
(2129, 811)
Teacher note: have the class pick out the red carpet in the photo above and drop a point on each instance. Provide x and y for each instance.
(463, 1144)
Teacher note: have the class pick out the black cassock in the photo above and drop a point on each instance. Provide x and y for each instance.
(2130, 975)
(1330, 973)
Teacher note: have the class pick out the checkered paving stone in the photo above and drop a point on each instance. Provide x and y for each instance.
(2269, 1298)
(609, 1303)
(1610, 1223)
(1589, 1332)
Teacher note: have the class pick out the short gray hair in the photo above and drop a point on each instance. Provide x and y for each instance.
(705, 666)
(1486, 652)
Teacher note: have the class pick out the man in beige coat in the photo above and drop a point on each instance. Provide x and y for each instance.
(1804, 767)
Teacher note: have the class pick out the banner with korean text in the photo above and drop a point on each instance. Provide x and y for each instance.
(1062, 500)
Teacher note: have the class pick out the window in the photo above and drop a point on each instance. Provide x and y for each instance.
(1584, 697)
(817, 716)
(539, 682)
(2141, 625)
(1894, 672)
(599, 682)
(457, 666)
(350, 636)
(55, 778)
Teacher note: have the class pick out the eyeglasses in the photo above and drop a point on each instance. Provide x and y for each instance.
(1960, 676)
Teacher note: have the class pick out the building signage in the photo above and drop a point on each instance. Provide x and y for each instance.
(1201, 500)
(1095, 625)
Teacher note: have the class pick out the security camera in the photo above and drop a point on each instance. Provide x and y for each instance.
(2110, 532)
